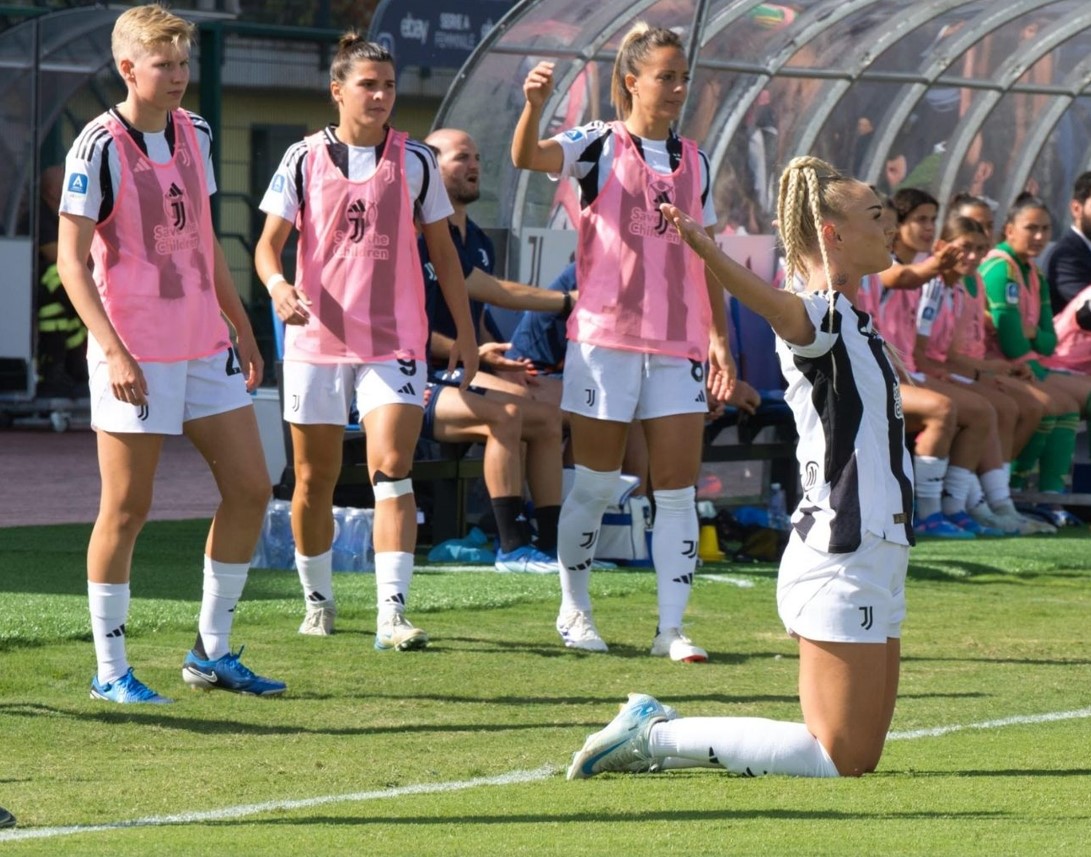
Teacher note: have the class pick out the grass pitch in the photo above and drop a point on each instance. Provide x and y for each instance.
(459, 750)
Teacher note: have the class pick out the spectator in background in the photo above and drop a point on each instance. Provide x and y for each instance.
(1068, 268)
(1022, 330)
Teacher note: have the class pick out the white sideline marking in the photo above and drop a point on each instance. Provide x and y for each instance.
(1018, 720)
(740, 582)
(507, 779)
(511, 778)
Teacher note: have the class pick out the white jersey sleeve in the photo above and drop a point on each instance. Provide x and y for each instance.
(282, 195)
(574, 142)
(83, 194)
(817, 305)
(422, 173)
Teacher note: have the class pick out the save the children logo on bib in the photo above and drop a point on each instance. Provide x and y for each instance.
(650, 222)
(360, 237)
(179, 232)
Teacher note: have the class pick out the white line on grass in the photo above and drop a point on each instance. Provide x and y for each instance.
(229, 812)
(1022, 720)
(740, 582)
(510, 778)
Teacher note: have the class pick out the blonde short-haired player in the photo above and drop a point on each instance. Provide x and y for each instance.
(160, 356)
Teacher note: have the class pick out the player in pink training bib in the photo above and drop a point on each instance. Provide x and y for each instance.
(356, 325)
(160, 356)
(645, 323)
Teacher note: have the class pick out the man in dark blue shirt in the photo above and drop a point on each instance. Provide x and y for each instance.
(493, 411)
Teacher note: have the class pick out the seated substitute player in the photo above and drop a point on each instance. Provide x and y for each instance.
(841, 584)
(492, 411)
(160, 359)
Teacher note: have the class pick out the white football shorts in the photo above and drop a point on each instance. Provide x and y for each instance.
(178, 392)
(856, 597)
(612, 384)
(322, 393)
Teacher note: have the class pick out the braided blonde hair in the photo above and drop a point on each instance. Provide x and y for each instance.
(812, 192)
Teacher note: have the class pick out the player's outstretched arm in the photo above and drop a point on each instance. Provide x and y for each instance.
(783, 310)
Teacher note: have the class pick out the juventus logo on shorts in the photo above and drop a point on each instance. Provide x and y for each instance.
(295, 402)
(868, 619)
(810, 475)
(142, 413)
(590, 397)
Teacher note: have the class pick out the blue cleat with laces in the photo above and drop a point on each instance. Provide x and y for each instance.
(622, 746)
(228, 673)
(938, 527)
(126, 690)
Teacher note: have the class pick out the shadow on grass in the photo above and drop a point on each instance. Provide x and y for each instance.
(963, 571)
(154, 716)
(1036, 662)
(635, 817)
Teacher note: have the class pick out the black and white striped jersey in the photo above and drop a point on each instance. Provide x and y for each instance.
(854, 465)
(287, 192)
(93, 169)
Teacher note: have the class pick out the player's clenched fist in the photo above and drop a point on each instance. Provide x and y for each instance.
(539, 83)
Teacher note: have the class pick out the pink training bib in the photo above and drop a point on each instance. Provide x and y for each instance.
(1073, 351)
(641, 287)
(945, 326)
(357, 261)
(898, 322)
(974, 322)
(153, 255)
(1030, 302)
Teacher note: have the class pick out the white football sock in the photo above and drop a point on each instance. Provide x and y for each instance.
(674, 552)
(393, 574)
(316, 577)
(223, 586)
(956, 487)
(997, 487)
(578, 531)
(928, 472)
(976, 497)
(752, 746)
(109, 606)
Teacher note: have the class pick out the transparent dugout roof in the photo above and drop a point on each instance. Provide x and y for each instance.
(943, 94)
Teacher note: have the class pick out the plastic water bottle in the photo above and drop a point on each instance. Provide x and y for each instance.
(277, 543)
(342, 549)
(352, 546)
(778, 511)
